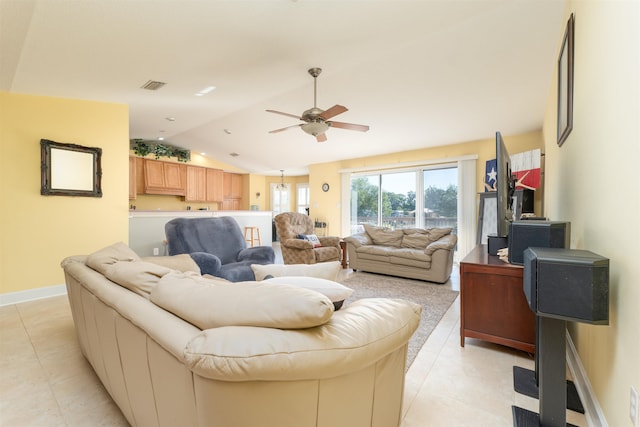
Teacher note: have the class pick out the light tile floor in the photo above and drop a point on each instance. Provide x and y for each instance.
(45, 381)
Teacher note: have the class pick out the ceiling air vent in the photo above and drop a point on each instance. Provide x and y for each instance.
(152, 85)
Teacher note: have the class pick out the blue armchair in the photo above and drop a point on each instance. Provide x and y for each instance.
(217, 245)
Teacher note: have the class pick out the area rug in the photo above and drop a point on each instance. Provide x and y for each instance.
(434, 299)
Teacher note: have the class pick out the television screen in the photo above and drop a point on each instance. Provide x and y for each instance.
(504, 187)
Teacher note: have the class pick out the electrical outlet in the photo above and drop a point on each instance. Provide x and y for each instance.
(156, 251)
(633, 407)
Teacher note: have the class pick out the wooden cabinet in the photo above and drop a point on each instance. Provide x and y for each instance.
(164, 178)
(232, 190)
(204, 184)
(214, 179)
(196, 190)
(232, 186)
(493, 306)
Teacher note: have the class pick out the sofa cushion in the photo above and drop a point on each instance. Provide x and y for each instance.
(335, 291)
(326, 270)
(384, 236)
(415, 240)
(438, 233)
(123, 266)
(209, 303)
(182, 262)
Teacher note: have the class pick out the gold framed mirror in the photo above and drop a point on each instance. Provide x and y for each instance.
(70, 169)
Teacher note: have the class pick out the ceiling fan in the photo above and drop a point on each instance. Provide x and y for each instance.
(316, 121)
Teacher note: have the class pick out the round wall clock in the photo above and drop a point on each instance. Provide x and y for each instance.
(325, 187)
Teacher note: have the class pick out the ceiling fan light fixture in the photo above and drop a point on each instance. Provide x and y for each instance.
(282, 185)
(315, 128)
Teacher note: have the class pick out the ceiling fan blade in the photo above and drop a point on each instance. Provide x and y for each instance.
(333, 111)
(283, 129)
(321, 137)
(284, 114)
(349, 126)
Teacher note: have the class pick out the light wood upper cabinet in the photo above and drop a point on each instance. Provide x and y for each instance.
(215, 183)
(196, 190)
(232, 186)
(164, 178)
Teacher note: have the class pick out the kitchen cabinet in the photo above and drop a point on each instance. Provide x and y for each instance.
(214, 184)
(164, 178)
(136, 177)
(196, 190)
(232, 186)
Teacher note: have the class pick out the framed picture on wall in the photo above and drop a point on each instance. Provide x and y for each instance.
(70, 169)
(565, 83)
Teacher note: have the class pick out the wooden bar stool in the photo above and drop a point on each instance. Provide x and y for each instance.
(252, 235)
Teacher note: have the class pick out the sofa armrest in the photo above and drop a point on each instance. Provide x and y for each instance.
(359, 239)
(297, 244)
(356, 336)
(258, 255)
(447, 242)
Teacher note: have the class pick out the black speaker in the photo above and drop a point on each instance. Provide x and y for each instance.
(567, 284)
(541, 234)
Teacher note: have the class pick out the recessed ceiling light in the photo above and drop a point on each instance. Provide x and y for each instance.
(206, 90)
(227, 131)
(161, 138)
(203, 154)
(170, 119)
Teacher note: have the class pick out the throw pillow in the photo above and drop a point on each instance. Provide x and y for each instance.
(384, 236)
(336, 292)
(211, 303)
(324, 270)
(311, 238)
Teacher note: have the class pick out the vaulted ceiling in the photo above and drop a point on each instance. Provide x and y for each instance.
(419, 73)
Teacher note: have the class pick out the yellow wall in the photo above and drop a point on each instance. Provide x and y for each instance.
(592, 181)
(39, 231)
(326, 206)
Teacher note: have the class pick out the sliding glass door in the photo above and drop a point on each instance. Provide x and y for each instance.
(388, 198)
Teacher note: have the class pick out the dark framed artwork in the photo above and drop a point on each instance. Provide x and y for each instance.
(70, 169)
(565, 83)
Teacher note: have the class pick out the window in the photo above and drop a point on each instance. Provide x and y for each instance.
(389, 198)
(302, 200)
(280, 199)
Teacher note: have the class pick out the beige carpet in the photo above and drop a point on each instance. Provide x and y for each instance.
(435, 300)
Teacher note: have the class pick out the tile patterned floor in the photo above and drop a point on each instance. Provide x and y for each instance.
(45, 381)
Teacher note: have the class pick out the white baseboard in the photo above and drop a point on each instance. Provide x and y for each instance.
(32, 294)
(593, 411)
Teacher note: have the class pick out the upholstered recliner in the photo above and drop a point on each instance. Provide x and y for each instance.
(217, 245)
(290, 226)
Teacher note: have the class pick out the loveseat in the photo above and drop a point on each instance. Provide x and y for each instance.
(415, 253)
(175, 348)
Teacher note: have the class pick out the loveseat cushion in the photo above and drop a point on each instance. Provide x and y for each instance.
(123, 266)
(326, 270)
(384, 236)
(210, 303)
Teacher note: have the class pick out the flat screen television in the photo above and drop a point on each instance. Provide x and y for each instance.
(505, 186)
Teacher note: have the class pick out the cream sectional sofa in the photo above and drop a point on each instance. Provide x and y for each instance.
(174, 348)
(416, 253)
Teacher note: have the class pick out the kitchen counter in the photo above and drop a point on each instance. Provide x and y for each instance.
(146, 228)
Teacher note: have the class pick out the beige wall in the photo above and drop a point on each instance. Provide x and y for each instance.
(39, 231)
(592, 181)
(326, 206)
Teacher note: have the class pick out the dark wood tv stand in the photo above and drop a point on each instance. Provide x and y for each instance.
(493, 306)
